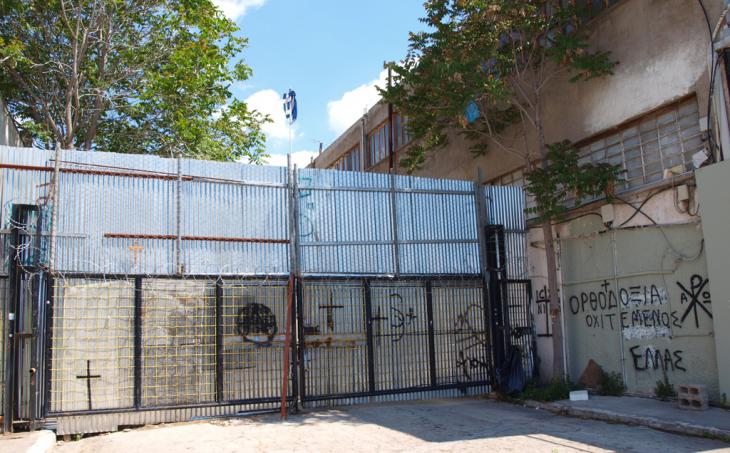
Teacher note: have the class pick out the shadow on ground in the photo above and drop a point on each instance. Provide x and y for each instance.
(451, 420)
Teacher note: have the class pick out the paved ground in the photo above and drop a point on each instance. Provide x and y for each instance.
(659, 410)
(462, 425)
(34, 442)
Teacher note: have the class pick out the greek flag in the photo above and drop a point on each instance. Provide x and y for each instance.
(290, 106)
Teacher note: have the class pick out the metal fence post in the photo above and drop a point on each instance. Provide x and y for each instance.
(300, 377)
(54, 213)
(50, 301)
(179, 267)
(219, 339)
(431, 333)
(394, 225)
(482, 221)
(369, 335)
(137, 342)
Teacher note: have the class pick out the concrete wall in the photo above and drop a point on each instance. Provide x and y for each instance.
(714, 187)
(637, 302)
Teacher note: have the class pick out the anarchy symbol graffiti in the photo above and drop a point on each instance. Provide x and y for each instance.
(697, 297)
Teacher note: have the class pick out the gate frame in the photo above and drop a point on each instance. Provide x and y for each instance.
(365, 283)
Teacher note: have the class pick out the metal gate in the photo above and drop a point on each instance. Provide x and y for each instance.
(25, 315)
(370, 337)
(398, 288)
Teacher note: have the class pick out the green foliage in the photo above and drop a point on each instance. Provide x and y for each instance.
(664, 390)
(611, 384)
(150, 76)
(497, 54)
(562, 177)
(554, 391)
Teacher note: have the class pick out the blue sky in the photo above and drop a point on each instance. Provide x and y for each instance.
(330, 52)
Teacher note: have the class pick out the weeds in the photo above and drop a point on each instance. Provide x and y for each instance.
(554, 391)
(611, 384)
(664, 390)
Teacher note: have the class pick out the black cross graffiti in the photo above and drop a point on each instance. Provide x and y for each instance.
(330, 313)
(88, 378)
(696, 296)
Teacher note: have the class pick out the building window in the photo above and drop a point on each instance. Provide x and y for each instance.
(378, 139)
(644, 148)
(350, 161)
(378, 144)
(662, 140)
(400, 126)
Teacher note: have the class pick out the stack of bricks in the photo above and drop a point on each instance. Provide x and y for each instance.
(693, 397)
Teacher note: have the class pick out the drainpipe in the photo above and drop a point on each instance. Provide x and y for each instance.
(363, 140)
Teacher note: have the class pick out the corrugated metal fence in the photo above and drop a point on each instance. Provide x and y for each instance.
(165, 285)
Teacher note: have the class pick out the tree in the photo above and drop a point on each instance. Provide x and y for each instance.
(136, 76)
(481, 69)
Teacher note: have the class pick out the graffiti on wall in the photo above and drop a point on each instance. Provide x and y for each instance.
(643, 312)
(542, 301)
(696, 298)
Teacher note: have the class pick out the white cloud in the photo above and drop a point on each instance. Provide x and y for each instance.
(235, 9)
(269, 103)
(346, 110)
(300, 158)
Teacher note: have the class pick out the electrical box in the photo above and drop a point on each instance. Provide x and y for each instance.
(607, 213)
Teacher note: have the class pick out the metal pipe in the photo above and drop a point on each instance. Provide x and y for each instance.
(194, 238)
(139, 174)
(179, 267)
(394, 225)
(54, 213)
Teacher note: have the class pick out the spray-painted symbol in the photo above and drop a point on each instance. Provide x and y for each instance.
(400, 321)
(256, 323)
(697, 297)
(330, 313)
(472, 355)
(88, 376)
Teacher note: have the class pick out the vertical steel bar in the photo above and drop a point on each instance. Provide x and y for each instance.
(54, 214)
(50, 297)
(301, 342)
(496, 306)
(287, 347)
(369, 335)
(394, 225)
(219, 340)
(137, 342)
(431, 332)
(11, 322)
(481, 221)
(178, 218)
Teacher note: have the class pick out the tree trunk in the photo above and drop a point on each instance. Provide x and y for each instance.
(555, 311)
(552, 268)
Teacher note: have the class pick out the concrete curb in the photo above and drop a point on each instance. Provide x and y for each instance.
(615, 417)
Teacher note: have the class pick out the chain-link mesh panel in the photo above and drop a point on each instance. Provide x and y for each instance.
(253, 327)
(178, 342)
(92, 352)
